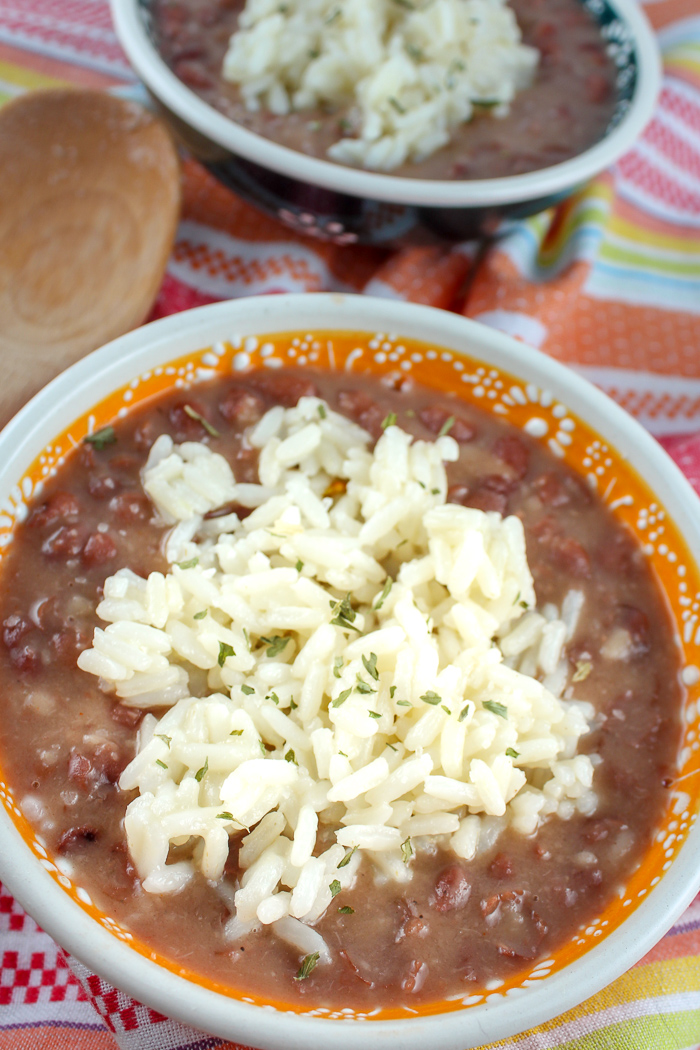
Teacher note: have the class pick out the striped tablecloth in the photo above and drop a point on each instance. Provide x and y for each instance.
(608, 283)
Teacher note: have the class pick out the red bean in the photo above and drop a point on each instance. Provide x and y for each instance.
(241, 407)
(434, 418)
(145, 435)
(25, 658)
(68, 643)
(62, 506)
(601, 828)
(452, 889)
(100, 548)
(564, 552)
(636, 623)
(571, 557)
(491, 493)
(192, 74)
(415, 978)
(551, 490)
(412, 924)
(79, 768)
(186, 426)
(129, 507)
(66, 543)
(76, 837)
(282, 388)
(103, 766)
(126, 716)
(596, 87)
(102, 486)
(14, 629)
(501, 866)
(458, 494)
(512, 451)
(363, 409)
(228, 508)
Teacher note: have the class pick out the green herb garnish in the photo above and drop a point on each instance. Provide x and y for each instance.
(225, 650)
(346, 859)
(404, 703)
(406, 850)
(364, 687)
(389, 421)
(161, 764)
(201, 773)
(337, 666)
(431, 698)
(341, 698)
(374, 714)
(236, 732)
(101, 438)
(392, 690)
(446, 426)
(464, 712)
(291, 757)
(200, 615)
(187, 564)
(299, 565)
(344, 615)
(495, 708)
(212, 431)
(247, 689)
(583, 669)
(512, 753)
(370, 665)
(335, 888)
(322, 411)
(308, 963)
(164, 738)
(275, 645)
(346, 910)
(385, 593)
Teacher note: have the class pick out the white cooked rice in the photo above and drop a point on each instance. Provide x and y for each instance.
(402, 716)
(411, 72)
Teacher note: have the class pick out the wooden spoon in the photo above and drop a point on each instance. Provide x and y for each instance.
(89, 202)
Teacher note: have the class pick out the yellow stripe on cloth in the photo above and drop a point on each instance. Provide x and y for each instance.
(652, 1007)
(26, 79)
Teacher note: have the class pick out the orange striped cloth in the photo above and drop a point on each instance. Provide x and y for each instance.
(609, 283)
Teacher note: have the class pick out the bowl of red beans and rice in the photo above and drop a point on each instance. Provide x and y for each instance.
(458, 939)
(594, 93)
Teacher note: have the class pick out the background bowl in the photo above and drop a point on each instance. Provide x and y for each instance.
(485, 368)
(345, 205)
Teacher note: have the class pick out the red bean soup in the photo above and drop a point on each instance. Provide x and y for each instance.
(566, 110)
(457, 925)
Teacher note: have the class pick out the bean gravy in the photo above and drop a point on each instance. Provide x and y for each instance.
(457, 924)
(565, 110)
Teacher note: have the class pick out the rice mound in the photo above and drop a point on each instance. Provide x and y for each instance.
(355, 668)
(411, 72)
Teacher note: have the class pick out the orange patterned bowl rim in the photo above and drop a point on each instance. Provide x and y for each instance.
(580, 426)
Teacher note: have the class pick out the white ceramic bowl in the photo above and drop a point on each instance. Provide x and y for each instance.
(338, 203)
(551, 391)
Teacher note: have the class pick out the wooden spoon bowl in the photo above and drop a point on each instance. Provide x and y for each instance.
(89, 202)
